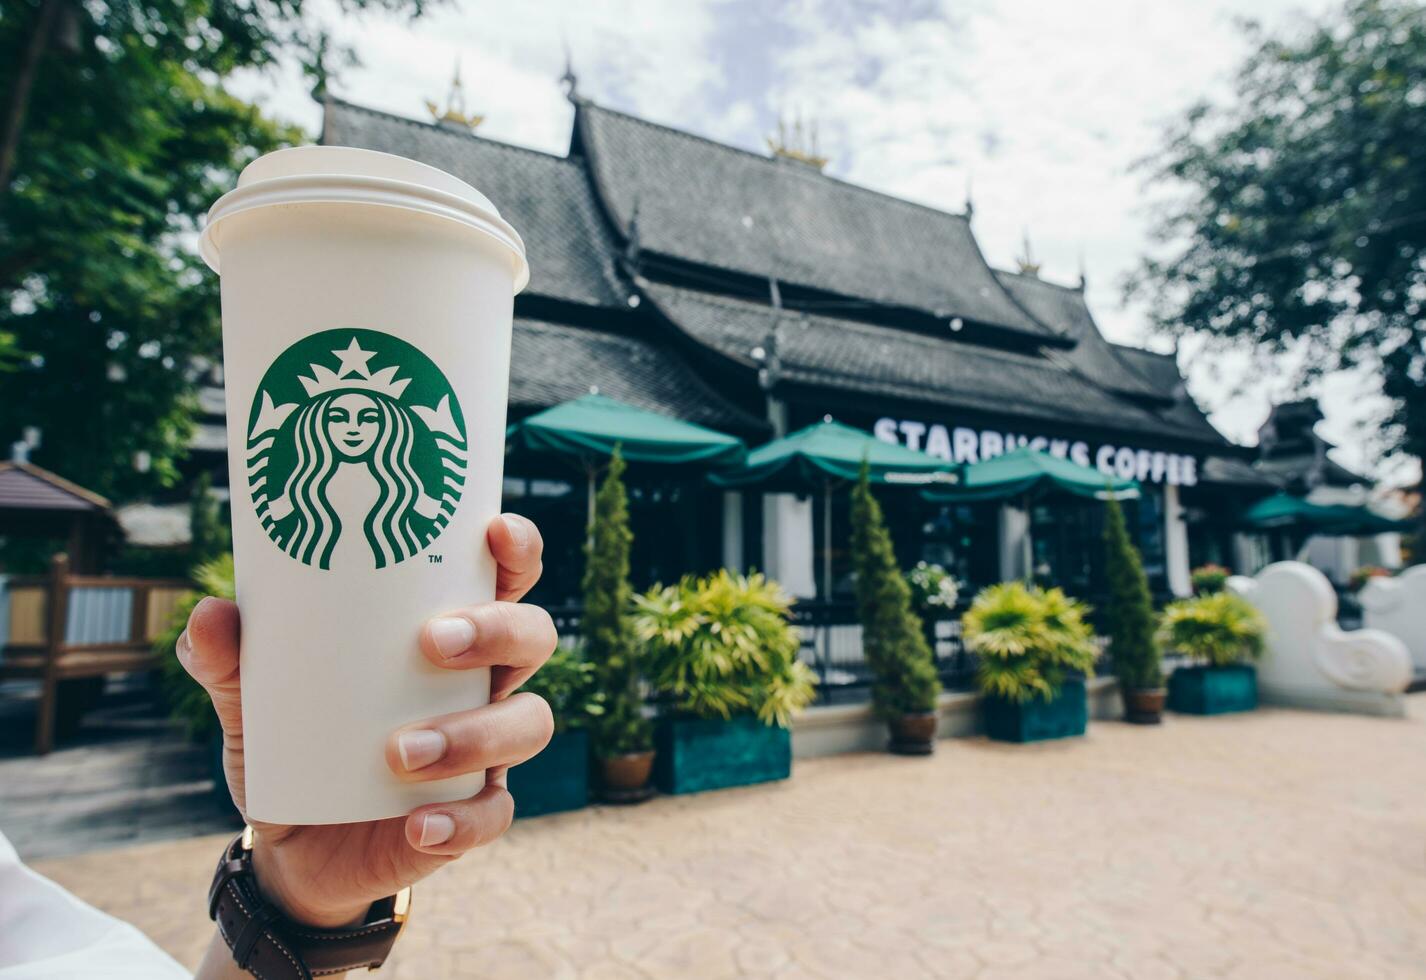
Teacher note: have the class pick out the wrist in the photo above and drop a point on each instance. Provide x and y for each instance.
(277, 889)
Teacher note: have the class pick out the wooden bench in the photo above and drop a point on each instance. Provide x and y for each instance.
(66, 627)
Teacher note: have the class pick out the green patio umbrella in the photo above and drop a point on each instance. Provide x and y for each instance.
(1284, 511)
(1027, 471)
(1024, 473)
(588, 428)
(827, 453)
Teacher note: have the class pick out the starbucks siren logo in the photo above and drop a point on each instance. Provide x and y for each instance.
(360, 463)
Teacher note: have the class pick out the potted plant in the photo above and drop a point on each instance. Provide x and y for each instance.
(1208, 579)
(905, 686)
(1035, 648)
(558, 778)
(188, 703)
(1221, 633)
(721, 652)
(1361, 576)
(1130, 618)
(623, 736)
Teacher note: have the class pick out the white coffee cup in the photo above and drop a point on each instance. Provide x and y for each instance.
(367, 303)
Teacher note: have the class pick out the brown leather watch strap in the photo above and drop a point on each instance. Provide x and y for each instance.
(270, 947)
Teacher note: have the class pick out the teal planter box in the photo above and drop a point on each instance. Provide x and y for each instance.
(1213, 690)
(557, 779)
(696, 754)
(1036, 721)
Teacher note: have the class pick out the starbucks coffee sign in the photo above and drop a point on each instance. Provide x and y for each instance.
(356, 450)
(960, 444)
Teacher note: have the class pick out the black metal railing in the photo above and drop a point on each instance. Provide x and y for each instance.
(832, 647)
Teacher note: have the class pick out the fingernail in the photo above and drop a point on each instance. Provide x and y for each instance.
(436, 828)
(451, 636)
(517, 530)
(420, 748)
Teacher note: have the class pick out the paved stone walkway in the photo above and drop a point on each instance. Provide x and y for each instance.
(128, 776)
(1276, 844)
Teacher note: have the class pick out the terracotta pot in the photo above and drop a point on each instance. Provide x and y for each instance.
(1145, 706)
(625, 778)
(913, 734)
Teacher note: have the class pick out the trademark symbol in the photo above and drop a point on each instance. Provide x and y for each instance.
(433, 559)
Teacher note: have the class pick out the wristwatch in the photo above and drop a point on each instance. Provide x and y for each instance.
(271, 947)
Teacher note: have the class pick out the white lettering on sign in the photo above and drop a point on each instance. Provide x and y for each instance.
(960, 444)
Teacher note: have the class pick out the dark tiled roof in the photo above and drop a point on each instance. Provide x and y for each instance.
(24, 486)
(1229, 471)
(718, 206)
(550, 364)
(1063, 309)
(1161, 371)
(548, 199)
(899, 364)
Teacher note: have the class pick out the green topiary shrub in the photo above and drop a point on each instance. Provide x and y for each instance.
(1130, 610)
(1219, 630)
(722, 646)
(607, 631)
(1029, 641)
(905, 679)
(187, 702)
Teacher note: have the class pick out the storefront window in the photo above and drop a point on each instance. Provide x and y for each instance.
(962, 539)
(1067, 539)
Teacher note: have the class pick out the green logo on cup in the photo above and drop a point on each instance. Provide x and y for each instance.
(356, 450)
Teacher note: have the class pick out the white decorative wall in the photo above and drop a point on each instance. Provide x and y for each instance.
(1398, 606)
(1310, 662)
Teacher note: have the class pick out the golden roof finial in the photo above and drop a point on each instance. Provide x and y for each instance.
(1026, 261)
(797, 142)
(454, 116)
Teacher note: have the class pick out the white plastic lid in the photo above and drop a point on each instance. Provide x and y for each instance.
(345, 175)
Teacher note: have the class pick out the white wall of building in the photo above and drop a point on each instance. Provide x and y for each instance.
(1014, 535)
(1176, 544)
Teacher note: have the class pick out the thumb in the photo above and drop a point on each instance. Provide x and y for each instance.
(208, 650)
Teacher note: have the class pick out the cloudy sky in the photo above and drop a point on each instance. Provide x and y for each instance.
(1040, 109)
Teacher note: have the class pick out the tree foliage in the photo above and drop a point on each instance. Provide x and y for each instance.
(1130, 609)
(723, 645)
(116, 135)
(1302, 222)
(905, 679)
(607, 628)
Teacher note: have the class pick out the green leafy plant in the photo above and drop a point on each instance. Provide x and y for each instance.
(1219, 630)
(1208, 579)
(567, 681)
(187, 702)
(934, 591)
(1130, 610)
(211, 536)
(722, 646)
(608, 632)
(1029, 640)
(905, 679)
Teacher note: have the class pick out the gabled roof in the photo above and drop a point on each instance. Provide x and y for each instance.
(715, 205)
(1063, 309)
(889, 362)
(550, 363)
(1161, 371)
(25, 486)
(548, 199)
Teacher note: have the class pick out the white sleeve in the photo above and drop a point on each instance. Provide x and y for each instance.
(48, 934)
